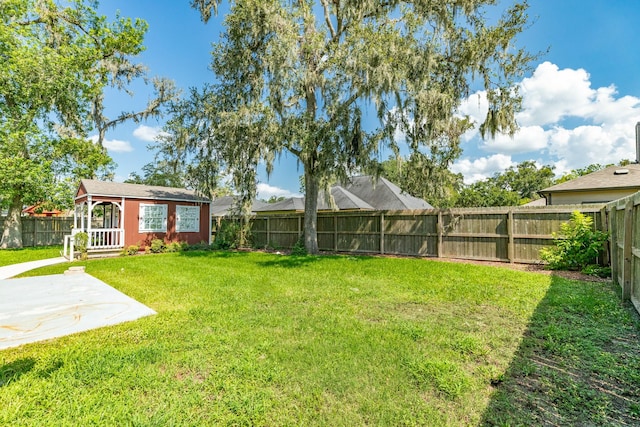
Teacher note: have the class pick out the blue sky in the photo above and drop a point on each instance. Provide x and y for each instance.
(581, 98)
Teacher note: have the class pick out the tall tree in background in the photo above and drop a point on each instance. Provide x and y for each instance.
(515, 186)
(420, 177)
(301, 77)
(55, 62)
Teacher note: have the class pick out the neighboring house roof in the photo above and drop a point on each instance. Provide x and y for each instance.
(383, 194)
(295, 204)
(138, 191)
(224, 205)
(35, 210)
(360, 193)
(613, 177)
(344, 200)
(537, 202)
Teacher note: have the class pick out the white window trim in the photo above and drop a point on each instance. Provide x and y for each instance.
(142, 212)
(196, 224)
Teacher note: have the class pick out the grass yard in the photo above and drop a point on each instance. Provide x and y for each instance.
(263, 339)
(16, 256)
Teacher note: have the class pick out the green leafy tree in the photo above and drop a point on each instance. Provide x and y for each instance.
(302, 77)
(526, 179)
(161, 173)
(420, 177)
(515, 186)
(56, 60)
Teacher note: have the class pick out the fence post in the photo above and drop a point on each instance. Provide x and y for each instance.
(439, 229)
(510, 248)
(604, 228)
(627, 249)
(382, 233)
(613, 243)
(268, 243)
(335, 232)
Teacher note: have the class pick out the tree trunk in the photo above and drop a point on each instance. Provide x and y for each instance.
(12, 233)
(310, 212)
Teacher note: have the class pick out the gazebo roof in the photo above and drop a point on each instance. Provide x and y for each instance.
(137, 191)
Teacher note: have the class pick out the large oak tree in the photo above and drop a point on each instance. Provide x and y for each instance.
(332, 82)
(56, 59)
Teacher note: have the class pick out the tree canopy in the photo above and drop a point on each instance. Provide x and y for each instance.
(55, 62)
(332, 83)
(515, 186)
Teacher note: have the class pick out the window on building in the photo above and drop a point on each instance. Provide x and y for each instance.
(187, 219)
(153, 218)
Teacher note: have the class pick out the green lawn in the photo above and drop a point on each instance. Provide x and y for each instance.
(262, 339)
(16, 256)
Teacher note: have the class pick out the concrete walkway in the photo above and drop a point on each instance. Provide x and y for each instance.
(13, 270)
(44, 307)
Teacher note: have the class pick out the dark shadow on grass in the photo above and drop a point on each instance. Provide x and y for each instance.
(213, 253)
(578, 362)
(14, 370)
(290, 261)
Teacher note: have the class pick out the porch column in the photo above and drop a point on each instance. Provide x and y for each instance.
(89, 210)
(82, 227)
(121, 221)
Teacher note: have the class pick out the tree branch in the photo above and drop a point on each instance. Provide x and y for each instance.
(327, 18)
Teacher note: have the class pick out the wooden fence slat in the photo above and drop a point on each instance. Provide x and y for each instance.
(512, 234)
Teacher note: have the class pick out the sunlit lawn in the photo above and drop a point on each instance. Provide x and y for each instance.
(263, 339)
(16, 256)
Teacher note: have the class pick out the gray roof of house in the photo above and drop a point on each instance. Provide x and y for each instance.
(295, 204)
(383, 194)
(609, 178)
(344, 200)
(138, 191)
(224, 205)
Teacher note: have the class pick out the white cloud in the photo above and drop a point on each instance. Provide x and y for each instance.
(564, 122)
(481, 168)
(266, 191)
(527, 139)
(551, 94)
(114, 145)
(148, 133)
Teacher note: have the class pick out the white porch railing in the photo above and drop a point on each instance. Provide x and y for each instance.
(99, 239)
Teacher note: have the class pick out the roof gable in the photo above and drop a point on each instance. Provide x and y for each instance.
(94, 187)
(605, 179)
(383, 194)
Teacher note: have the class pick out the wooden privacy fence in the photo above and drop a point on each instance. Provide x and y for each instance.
(510, 234)
(43, 231)
(624, 228)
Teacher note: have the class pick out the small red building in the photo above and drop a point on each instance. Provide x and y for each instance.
(117, 215)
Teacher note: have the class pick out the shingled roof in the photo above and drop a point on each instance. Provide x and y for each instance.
(610, 178)
(383, 194)
(138, 191)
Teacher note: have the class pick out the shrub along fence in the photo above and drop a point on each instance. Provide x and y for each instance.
(510, 234)
(624, 228)
(43, 231)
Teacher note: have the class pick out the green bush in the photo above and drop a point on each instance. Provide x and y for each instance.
(81, 241)
(298, 249)
(229, 235)
(158, 246)
(131, 250)
(175, 247)
(577, 245)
